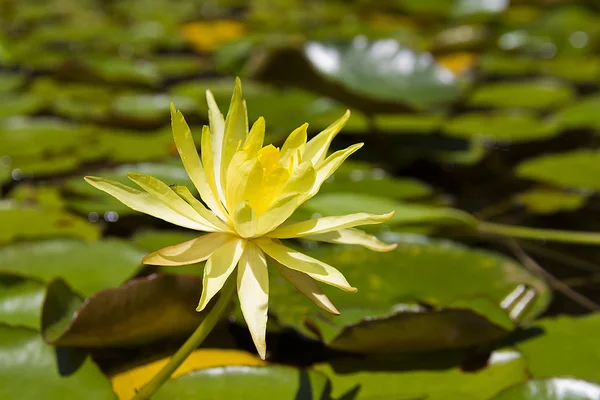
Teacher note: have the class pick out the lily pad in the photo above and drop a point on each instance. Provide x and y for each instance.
(431, 376)
(583, 114)
(572, 343)
(150, 109)
(82, 102)
(21, 301)
(10, 82)
(152, 240)
(541, 94)
(548, 201)
(384, 70)
(128, 146)
(32, 369)
(86, 266)
(123, 316)
(575, 69)
(330, 204)
(552, 389)
(273, 381)
(20, 222)
(576, 169)
(404, 276)
(418, 123)
(19, 104)
(505, 126)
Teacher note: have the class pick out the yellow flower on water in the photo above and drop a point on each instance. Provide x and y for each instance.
(249, 191)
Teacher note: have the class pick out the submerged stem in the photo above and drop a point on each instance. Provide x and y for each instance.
(205, 327)
(550, 235)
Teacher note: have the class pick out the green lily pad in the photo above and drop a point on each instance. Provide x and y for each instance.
(431, 376)
(21, 301)
(19, 222)
(577, 169)
(152, 240)
(128, 146)
(175, 66)
(549, 201)
(82, 102)
(32, 369)
(365, 178)
(118, 70)
(572, 344)
(91, 199)
(43, 196)
(502, 64)
(506, 126)
(123, 316)
(384, 70)
(86, 266)
(10, 82)
(413, 328)
(575, 69)
(330, 204)
(419, 123)
(583, 114)
(19, 104)
(150, 109)
(273, 381)
(552, 389)
(404, 276)
(541, 94)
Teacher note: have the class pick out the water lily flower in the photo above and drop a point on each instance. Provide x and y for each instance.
(248, 192)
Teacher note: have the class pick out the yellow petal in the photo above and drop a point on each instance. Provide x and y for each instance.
(245, 220)
(269, 157)
(190, 159)
(217, 129)
(301, 262)
(330, 165)
(316, 148)
(208, 162)
(307, 286)
(253, 292)
(270, 188)
(244, 177)
(163, 193)
(190, 252)
(218, 268)
(294, 144)
(354, 236)
(142, 202)
(302, 179)
(327, 224)
(236, 129)
(278, 212)
(185, 193)
(256, 137)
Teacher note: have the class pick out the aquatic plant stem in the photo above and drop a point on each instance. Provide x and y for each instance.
(201, 332)
(550, 235)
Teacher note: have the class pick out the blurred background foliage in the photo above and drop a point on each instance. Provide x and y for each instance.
(490, 107)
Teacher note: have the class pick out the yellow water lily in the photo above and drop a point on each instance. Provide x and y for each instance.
(248, 192)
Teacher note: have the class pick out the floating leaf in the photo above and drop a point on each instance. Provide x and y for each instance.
(433, 376)
(21, 301)
(504, 126)
(123, 316)
(32, 369)
(20, 222)
(576, 169)
(86, 266)
(552, 389)
(583, 114)
(548, 201)
(10, 82)
(150, 109)
(19, 104)
(126, 384)
(570, 342)
(251, 383)
(533, 94)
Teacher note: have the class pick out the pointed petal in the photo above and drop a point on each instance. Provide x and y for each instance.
(307, 286)
(294, 143)
(162, 192)
(354, 236)
(256, 137)
(185, 194)
(217, 128)
(316, 148)
(142, 202)
(189, 157)
(278, 212)
(302, 179)
(218, 268)
(327, 224)
(190, 252)
(208, 163)
(301, 262)
(245, 220)
(331, 164)
(253, 292)
(236, 129)
(244, 177)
